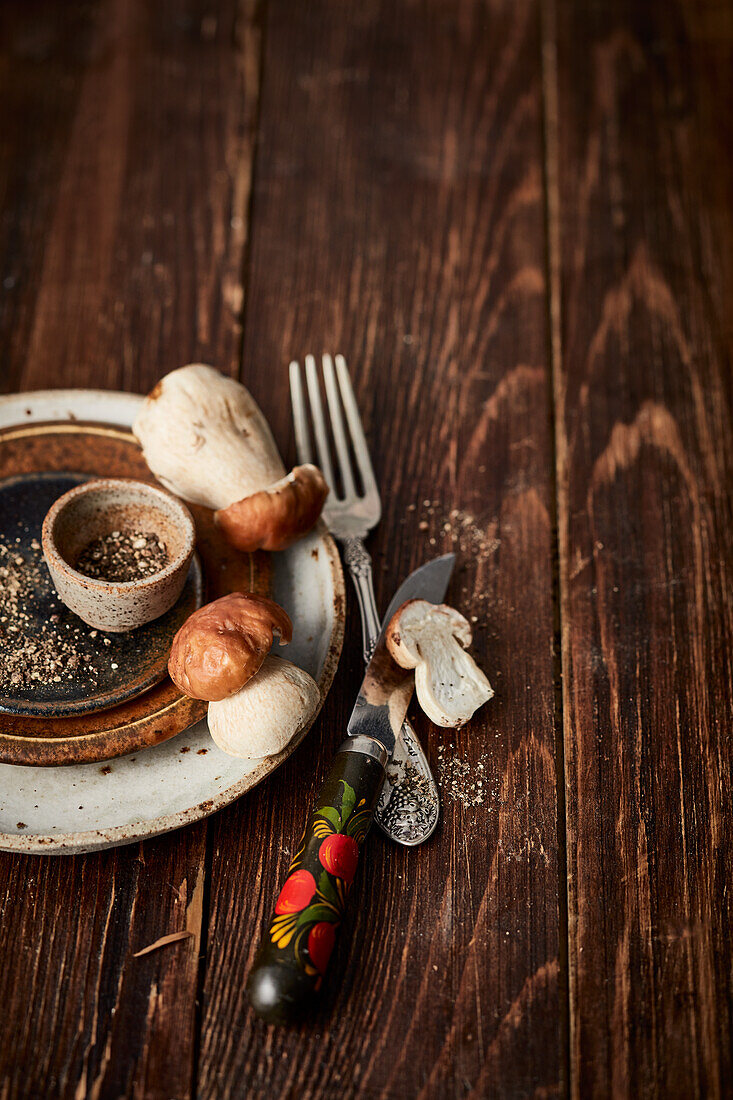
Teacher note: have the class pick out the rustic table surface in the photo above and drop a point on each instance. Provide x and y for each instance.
(515, 218)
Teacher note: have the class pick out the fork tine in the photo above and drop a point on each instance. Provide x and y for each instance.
(300, 419)
(337, 426)
(319, 424)
(358, 438)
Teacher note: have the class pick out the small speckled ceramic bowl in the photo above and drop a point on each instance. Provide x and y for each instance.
(96, 509)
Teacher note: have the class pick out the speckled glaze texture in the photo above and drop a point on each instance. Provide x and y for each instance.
(47, 432)
(95, 509)
(177, 780)
(97, 681)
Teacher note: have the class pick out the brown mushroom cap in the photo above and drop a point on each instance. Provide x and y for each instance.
(223, 644)
(275, 518)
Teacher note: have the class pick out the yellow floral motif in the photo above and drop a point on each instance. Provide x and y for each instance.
(283, 928)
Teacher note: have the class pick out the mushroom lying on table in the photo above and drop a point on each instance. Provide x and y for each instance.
(257, 702)
(432, 639)
(205, 438)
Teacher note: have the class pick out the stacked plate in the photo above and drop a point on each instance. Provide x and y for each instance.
(115, 753)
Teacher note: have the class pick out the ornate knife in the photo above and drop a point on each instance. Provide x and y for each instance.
(295, 950)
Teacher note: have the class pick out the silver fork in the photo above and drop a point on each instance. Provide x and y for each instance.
(408, 805)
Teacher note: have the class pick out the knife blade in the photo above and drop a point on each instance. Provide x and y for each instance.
(293, 956)
(386, 689)
(408, 818)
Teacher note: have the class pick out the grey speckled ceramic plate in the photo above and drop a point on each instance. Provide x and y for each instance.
(89, 806)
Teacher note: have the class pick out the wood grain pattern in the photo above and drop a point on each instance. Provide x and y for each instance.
(82, 1016)
(127, 192)
(398, 216)
(639, 153)
(126, 167)
(421, 166)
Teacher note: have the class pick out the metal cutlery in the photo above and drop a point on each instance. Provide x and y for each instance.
(409, 804)
(296, 947)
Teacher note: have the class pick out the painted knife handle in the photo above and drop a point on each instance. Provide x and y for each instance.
(293, 956)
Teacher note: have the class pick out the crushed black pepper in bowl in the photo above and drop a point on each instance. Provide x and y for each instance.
(123, 556)
(118, 551)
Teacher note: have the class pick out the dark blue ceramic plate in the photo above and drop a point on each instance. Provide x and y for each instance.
(94, 670)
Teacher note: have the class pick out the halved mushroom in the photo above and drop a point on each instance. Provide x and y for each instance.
(264, 716)
(432, 639)
(223, 644)
(205, 438)
(275, 518)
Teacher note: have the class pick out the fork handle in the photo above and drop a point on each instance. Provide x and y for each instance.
(359, 564)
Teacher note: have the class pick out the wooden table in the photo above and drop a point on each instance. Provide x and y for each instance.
(515, 217)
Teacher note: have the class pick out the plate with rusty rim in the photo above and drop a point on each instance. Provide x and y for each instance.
(107, 450)
(87, 806)
(99, 668)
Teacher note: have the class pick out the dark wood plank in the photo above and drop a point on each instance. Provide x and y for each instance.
(398, 218)
(127, 138)
(639, 139)
(127, 161)
(82, 1016)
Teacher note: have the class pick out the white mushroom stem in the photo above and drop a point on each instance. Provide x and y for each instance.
(263, 717)
(205, 438)
(432, 639)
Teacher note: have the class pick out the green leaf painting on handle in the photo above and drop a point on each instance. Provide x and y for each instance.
(331, 815)
(327, 890)
(348, 801)
(318, 912)
(314, 894)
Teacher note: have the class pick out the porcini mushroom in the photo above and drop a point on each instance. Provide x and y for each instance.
(274, 518)
(432, 639)
(205, 438)
(264, 716)
(223, 644)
